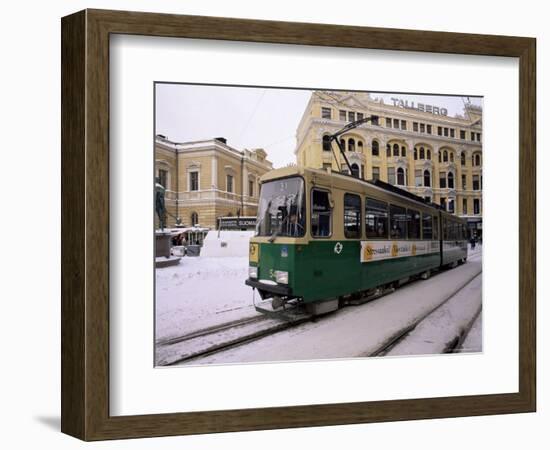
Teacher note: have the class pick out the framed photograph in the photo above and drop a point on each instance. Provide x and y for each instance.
(272, 225)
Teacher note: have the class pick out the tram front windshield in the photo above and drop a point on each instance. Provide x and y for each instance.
(281, 211)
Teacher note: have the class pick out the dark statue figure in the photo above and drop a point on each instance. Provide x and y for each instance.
(159, 203)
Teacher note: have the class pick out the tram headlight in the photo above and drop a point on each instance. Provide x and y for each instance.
(281, 277)
(252, 272)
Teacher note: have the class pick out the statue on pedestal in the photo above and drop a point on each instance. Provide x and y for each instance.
(160, 207)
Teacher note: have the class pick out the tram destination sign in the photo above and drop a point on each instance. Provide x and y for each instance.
(419, 106)
(237, 223)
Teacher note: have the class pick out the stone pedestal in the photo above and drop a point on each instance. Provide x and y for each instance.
(162, 244)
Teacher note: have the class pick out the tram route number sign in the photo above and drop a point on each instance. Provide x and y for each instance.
(380, 250)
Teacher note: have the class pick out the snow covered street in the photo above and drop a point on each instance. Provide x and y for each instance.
(424, 317)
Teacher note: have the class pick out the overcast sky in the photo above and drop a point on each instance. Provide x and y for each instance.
(251, 117)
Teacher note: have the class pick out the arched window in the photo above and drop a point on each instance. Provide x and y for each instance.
(395, 150)
(439, 155)
(463, 159)
(478, 159)
(351, 145)
(422, 153)
(326, 143)
(452, 156)
(355, 170)
(343, 144)
(428, 154)
(415, 153)
(388, 150)
(445, 156)
(450, 180)
(360, 146)
(375, 148)
(401, 176)
(427, 178)
(403, 152)
(194, 219)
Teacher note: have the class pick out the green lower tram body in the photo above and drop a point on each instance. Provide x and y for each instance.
(320, 271)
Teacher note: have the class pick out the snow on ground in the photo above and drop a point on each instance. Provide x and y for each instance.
(443, 326)
(473, 340)
(354, 331)
(201, 292)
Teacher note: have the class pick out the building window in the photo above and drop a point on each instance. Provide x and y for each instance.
(422, 128)
(418, 177)
(452, 132)
(388, 150)
(476, 206)
(229, 183)
(375, 173)
(343, 115)
(442, 180)
(355, 170)
(326, 113)
(403, 152)
(374, 121)
(327, 166)
(465, 206)
(415, 126)
(422, 155)
(395, 150)
(398, 222)
(462, 134)
(451, 181)
(428, 154)
(445, 131)
(477, 160)
(321, 214)
(351, 145)
(375, 148)
(415, 153)
(443, 203)
(452, 156)
(463, 159)
(439, 155)
(427, 178)
(360, 116)
(401, 177)
(194, 181)
(250, 188)
(403, 124)
(351, 116)
(391, 175)
(475, 182)
(352, 216)
(464, 182)
(451, 205)
(445, 156)
(439, 131)
(326, 143)
(472, 136)
(396, 123)
(376, 219)
(163, 178)
(360, 146)
(388, 122)
(429, 129)
(194, 219)
(478, 137)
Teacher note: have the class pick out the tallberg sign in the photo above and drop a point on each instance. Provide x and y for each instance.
(419, 106)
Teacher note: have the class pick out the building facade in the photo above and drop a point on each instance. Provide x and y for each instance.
(417, 147)
(205, 180)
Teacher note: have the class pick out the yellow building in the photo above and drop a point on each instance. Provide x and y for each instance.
(205, 180)
(415, 146)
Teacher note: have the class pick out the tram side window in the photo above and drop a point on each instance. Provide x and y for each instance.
(376, 219)
(352, 216)
(436, 228)
(398, 222)
(321, 214)
(413, 219)
(427, 226)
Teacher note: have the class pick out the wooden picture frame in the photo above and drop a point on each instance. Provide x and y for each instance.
(85, 224)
